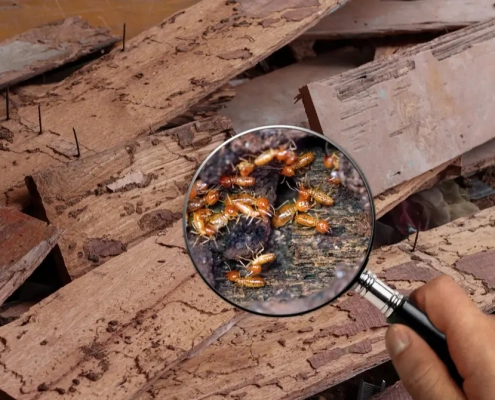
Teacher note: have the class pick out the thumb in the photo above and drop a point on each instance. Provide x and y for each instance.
(423, 374)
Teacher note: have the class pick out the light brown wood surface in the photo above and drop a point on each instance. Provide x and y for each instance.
(114, 329)
(112, 200)
(24, 244)
(49, 46)
(164, 71)
(407, 114)
(294, 358)
(391, 17)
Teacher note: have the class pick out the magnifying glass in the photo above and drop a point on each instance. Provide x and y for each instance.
(279, 221)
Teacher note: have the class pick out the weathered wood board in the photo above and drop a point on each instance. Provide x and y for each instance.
(269, 99)
(112, 200)
(361, 18)
(480, 157)
(109, 333)
(24, 244)
(49, 46)
(395, 392)
(418, 109)
(163, 72)
(297, 357)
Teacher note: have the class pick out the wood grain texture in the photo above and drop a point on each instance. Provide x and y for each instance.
(109, 333)
(298, 357)
(418, 109)
(112, 200)
(480, 157)
(24, 244)
(361, 18)
(49, 46)
(163, 72)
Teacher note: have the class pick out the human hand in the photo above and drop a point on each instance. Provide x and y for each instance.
(470, 338)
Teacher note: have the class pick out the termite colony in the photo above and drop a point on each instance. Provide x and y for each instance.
(215, 210)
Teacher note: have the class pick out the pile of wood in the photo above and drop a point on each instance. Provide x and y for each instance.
(95, 168)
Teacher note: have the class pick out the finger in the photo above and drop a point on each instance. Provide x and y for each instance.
(468, 330)
(423, 374)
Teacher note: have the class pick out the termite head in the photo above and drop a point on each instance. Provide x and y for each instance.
(291, 158)
(303, 193)
(210, 230)
(226, 181)
(198, 188)
(231, 211)
(254, 269)
(262, 202)
(233, 276)
(322, 227)
(303, 205)
(288, 171)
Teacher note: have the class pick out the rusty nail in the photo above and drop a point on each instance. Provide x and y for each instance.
(39, 118)
(77, 143)
(123, 39)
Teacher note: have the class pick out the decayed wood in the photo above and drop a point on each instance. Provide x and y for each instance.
(418, 107)
(383, 52)
(163, 72)
(269, 99)
(392, 197)
(378, 18)
(24, 244)
(480, 157)
(113, 330)
(395, 392)
(49, 46)
(113, 200)
(297, 357)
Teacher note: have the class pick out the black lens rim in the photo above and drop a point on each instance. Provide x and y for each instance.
(372, 210)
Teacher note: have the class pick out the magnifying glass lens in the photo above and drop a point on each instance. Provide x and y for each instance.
(279, 221)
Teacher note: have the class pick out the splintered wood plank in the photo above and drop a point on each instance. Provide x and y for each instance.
(163, 72)
(109, 333)
(115, 199)
(479, 158)
(49, 46)
(419, 107)
(362, 18)
(270, 358)
(24, 244)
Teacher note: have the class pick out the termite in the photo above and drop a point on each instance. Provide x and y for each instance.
(265, 157)
(332, 161)
(248, 281)
(196, 204)
(318, 195)
(304, 160)
(247, 210)
(200, 224)
(334, 178)
(288, 171)
(308, 220)
(212, 197)
(254, 269)
(243, 181)
(284, 215)
(199, 187)
(245, 168)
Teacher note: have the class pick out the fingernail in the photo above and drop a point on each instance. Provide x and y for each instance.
(397, 340)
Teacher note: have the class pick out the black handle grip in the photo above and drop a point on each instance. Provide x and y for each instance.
(408, 314)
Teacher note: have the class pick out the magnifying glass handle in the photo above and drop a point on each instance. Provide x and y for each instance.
(398, 309)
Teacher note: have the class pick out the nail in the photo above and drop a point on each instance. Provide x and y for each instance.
(123, 39)
(397, 340)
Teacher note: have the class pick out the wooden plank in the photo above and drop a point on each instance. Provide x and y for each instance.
(49, 46)
(269, 99)
(479, 158)
(419, 106)
(382, 52)
(163, 72)
(115, 199)
(24, 244)
(270, 358)
(361, 18)
(113, 330)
